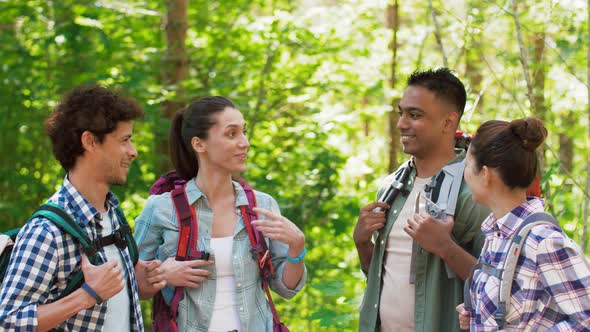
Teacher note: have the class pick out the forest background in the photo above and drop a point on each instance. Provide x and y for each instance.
(318, 82)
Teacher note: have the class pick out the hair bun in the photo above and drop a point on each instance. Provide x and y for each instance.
(530, 131)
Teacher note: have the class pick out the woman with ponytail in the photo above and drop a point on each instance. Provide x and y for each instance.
(550, 289)
(208, 146)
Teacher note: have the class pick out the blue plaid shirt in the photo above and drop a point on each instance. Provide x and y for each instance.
(551, 288)
(44, 259)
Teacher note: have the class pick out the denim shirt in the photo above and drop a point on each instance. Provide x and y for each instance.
(156, 232)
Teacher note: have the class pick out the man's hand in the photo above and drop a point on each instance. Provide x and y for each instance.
(185, 273)
(150, 278)
(369, 221)
(431, 234)
(106, 280)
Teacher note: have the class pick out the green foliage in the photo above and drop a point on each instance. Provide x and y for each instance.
(311, 78)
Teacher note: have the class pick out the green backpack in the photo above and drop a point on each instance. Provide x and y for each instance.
(121, 237)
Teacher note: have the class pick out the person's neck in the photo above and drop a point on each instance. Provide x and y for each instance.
(214, 185)
(92, 189)
(430, 165)
(502, 201)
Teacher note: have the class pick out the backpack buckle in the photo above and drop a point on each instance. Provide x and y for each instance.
(91, 250)
(266, 268)
(120, 240)
(262, 262)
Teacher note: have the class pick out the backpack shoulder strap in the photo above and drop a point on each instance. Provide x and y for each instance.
(188, 230)
(65, 222)
(131, 244)
(256, 238)
(260, 247)
(512, 255)
(445, 187)
(57, 215)
(467, 284)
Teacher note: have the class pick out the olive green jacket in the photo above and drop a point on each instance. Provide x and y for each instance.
(436, 294)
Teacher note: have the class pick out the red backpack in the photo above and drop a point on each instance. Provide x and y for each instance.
(164, 315)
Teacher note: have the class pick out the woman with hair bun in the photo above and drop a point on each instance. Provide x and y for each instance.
(551, 284)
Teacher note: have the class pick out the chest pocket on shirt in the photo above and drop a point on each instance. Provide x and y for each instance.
(247, 273)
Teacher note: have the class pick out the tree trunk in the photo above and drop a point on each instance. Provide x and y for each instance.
(437, 34)
(394, 142)
(566, 146)
(539, 105)
(473, 49)
(174, 70)
(535, 83)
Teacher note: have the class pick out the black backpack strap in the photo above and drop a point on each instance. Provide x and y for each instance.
(127, 235)
(65, 222)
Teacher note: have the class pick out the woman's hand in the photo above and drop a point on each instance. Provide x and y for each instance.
(464, 317)
(185, 273)
(277, 227)
(150, 278)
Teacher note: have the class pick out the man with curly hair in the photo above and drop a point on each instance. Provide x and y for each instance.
(90, 131)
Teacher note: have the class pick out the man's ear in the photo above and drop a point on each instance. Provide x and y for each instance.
(451, 122)
(198, 144)
(88, 140)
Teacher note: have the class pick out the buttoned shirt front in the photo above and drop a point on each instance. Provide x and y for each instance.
(156, 232)
(44, 259)
(551, 285)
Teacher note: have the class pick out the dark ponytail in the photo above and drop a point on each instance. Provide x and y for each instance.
(182, 155)
(193, 121)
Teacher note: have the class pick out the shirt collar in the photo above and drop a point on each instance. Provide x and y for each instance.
(509, 223)
(459, 156)
(83, 211)
(193, 193)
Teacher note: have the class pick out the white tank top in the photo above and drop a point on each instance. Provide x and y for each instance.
(225, 310)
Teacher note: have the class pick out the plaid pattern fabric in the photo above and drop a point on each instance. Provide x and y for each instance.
(156, 233)
(43, 260)
(551, 288)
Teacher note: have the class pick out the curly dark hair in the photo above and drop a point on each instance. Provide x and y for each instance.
(92, 108)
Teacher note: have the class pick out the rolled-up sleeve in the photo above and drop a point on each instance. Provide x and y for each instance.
(279, 260)
(147, 233)
(29, 277)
